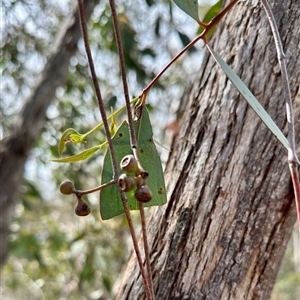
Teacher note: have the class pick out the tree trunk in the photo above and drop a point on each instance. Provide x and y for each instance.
(32, 120)
(230, 207)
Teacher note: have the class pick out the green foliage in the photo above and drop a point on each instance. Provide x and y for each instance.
(56, 267)
(86, 154)
(53, 253)
(65, 138)
(253, 102)
(110, 200)
(212, 12)
(190, 7)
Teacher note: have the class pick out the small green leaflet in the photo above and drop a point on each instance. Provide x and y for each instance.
(110, 199)
(190, 7)
(62, 141)
(253, 102)
(80, 156)
(212, 12)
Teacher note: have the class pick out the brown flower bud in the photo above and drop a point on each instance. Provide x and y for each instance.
(126, 183)
(143, 193)
(129, 164)
(66, 187)
(82, 209)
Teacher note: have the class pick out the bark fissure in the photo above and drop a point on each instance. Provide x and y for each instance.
(173, 260)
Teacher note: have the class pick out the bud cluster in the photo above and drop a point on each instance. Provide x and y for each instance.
(127, 182)
(67, 188)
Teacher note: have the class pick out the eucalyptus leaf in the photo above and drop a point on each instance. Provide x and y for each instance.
(190, 7)
(110, 199)
(253, 102)
(62, 141)
(80, 156)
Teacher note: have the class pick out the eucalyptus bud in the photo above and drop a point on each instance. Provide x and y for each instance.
(82, 209)
(143, 193)
(66, 187)
(129, 164)
(126, 183)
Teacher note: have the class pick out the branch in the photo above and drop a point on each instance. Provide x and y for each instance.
(108, 135)
(202, 36)
(97, 88)
(147, 278)
(292, 156)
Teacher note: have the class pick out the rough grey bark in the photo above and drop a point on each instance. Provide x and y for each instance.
(230, 207)
(32, 120)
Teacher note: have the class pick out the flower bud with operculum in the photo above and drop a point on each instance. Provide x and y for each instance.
(66, 187)
(126, 183)
(143, 193)
(129, 164)
(82, 209)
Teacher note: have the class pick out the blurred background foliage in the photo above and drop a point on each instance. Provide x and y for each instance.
(53, 253)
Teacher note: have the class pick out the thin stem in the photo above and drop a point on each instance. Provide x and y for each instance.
(108, 136)
(285, 81)
(204, 25)
(146, 247)
(97, 88)
(193, 42)
(148, 291)
(109, 117)
(220, 15)
(212, 23)
(292, 156)
(98, 188)
(123, 72)
(296, 180)
(133, 142)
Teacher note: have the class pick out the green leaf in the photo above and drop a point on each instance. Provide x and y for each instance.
(76, 138)
(80, 156)
(190, 7)
(64, 138)
(110, 199)
(253, 102)
(212, 12)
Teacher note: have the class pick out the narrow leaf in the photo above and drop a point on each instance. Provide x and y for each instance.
(80, 156)
(253, 102)
(110, 199)
(190, 7)
(63, 139)
(213, 11)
